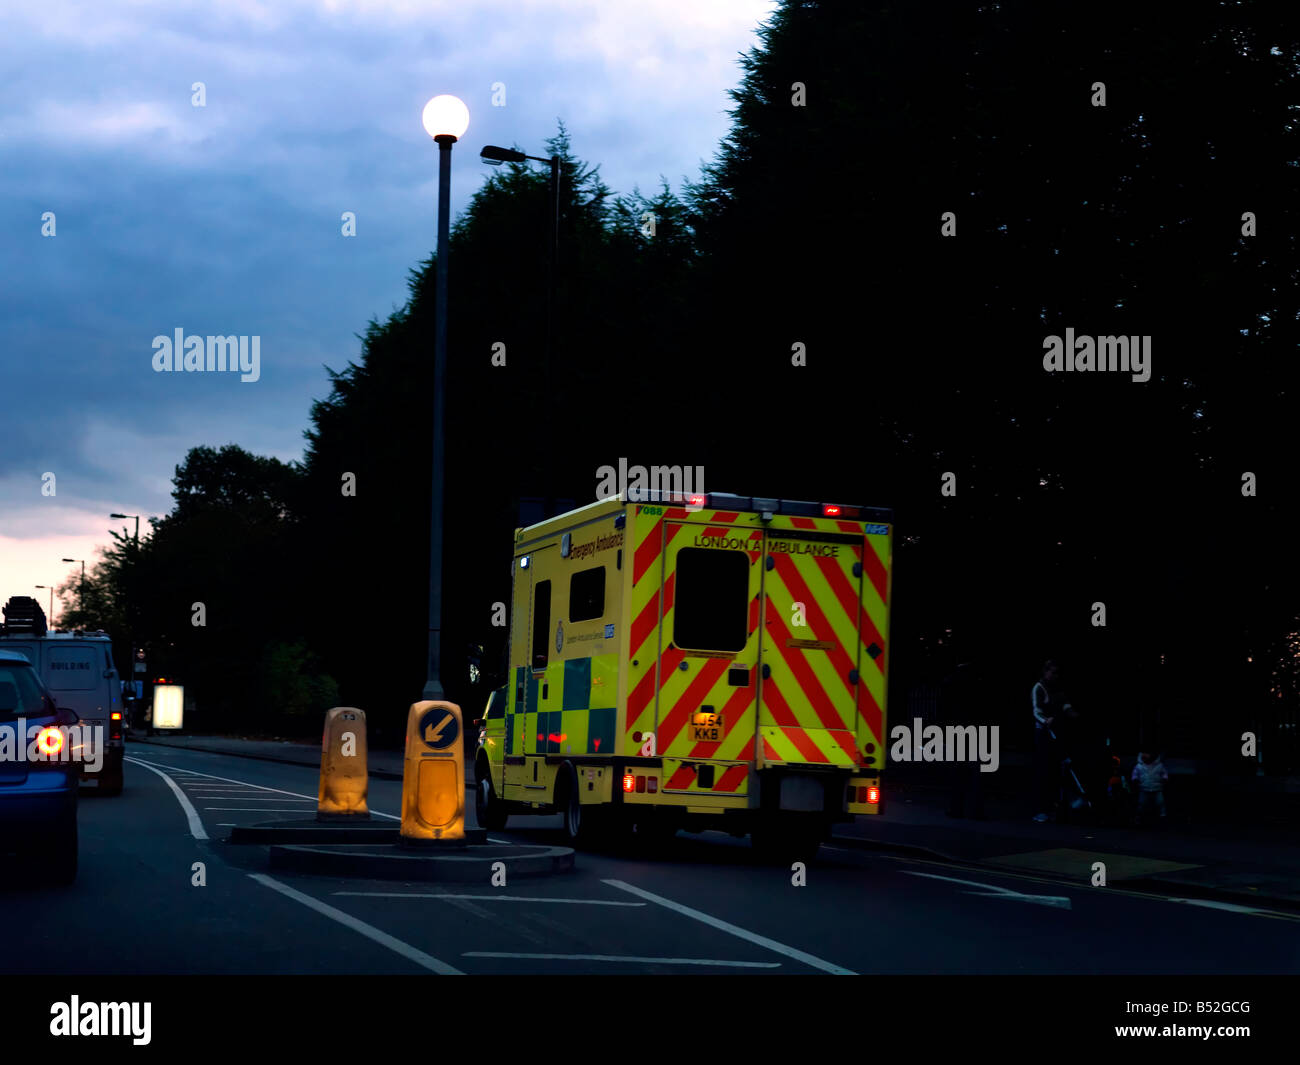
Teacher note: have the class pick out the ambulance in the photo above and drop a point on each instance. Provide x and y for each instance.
(694, 662)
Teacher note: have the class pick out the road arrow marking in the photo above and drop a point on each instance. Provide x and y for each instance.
(430, 736)
(992, 891)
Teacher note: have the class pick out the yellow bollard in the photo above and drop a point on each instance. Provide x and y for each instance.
(433, 773)
(344, 777)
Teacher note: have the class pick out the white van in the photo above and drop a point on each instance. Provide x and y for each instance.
(77, 667)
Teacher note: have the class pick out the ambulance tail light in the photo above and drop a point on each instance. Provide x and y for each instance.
(838, 510)
(640, 784)
(873, 794)
(629, 782)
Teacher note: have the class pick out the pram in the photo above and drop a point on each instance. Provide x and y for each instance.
(1073, 795)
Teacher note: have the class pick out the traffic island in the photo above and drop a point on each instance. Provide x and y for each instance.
(313, 831)
(471, 863)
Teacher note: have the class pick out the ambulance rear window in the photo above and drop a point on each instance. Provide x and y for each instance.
(711, 609)
(587, 594)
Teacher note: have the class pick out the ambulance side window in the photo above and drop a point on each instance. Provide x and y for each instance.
(541, 623)
(587, 594)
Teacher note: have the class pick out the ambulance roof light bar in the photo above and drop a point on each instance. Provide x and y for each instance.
(797, 508)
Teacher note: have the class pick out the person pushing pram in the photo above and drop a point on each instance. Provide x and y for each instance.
(1056, 784)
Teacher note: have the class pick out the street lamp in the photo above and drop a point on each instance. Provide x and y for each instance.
(494, 155)
(137, 524)
(445, 119)
(81, 589)
(50, 589)
(136, 554)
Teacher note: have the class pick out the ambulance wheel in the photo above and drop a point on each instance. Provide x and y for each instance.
(582, 824)
(488, 809)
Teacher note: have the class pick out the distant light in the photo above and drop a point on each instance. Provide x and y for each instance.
(168, 706)
(445, 116)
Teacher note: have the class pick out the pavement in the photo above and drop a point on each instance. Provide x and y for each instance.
(1230, 864)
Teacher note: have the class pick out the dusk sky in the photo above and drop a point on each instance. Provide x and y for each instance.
(226, 219)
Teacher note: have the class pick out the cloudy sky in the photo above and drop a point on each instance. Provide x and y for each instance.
(226, 218)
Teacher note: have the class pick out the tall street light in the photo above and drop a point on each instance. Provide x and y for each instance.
(131, 635)
(137, 525)
(445, 119)
(50, 589)
(81, 589)
(494, 155)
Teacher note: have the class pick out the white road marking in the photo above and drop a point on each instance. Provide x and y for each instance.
(407, 951)
(192, 815)
(249, 809)
(482, 898)
(992, 891)
(753, 937)
(250, 798)
(1233, 907)
(279, 791)
(623, 958)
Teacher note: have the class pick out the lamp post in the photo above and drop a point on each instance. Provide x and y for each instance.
(136, 553)
(494, 155)
(81, 588)
(137, 525)
(445, 119)
(50, 589)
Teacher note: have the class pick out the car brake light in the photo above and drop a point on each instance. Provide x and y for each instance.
(115, 716)
(49, 741)
(873, 794)
(629, 782)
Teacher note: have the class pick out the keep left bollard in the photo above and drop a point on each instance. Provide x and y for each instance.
(433, 774)
(344, 776)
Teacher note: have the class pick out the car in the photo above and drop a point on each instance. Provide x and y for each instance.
(38, 797)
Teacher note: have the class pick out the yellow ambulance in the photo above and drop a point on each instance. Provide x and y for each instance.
(694, 662)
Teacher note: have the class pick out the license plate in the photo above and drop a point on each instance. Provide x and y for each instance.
(706, 726)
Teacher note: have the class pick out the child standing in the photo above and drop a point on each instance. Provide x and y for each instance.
(1150, 776)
